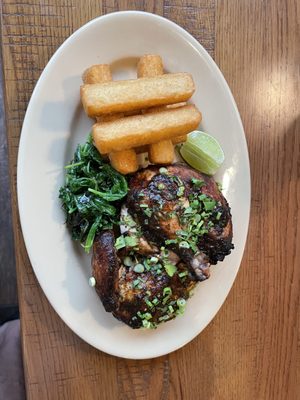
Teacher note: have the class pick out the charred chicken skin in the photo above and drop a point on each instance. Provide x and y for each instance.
(143, 298)
(185, 210)
(174, 225)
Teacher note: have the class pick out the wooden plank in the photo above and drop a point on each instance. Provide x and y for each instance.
(58, 365)
(257, 48)
(8, 281)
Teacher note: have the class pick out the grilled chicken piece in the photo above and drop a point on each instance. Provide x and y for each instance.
(164, 202)
(179, 223)
(138, 299)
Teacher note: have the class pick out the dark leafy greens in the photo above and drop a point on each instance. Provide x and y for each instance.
(90, 194)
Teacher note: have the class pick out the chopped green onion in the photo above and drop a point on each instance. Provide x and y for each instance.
(139, 268)
(146, 324)
(171, 241)
(147, 316)
(120, 242)
(197, 182)
(161, 186)
(127, 261)
(136, 283)
(148, 302)
(171, 309)
(131, 241)
(154, 260)
(164, 318)
(209, 205)
(184, 245)
(180, 191)
(218, 215)
(148, 212)
(163, 170)
(170, 269)
(181, 303)
(182, 274)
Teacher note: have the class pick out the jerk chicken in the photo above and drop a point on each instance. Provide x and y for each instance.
(174, 225)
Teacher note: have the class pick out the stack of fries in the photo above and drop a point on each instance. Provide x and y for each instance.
(147, 114)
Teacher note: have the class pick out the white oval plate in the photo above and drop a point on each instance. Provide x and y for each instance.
(55, 123)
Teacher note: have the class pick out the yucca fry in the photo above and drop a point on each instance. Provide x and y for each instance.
(97, 74)
(139, 130)
(160, 152)
(124, 161)
(100, 73)
(150, 65)
(175, 140)
(160, 108)
(136, 94)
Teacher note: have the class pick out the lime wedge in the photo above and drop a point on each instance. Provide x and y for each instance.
(202, 152)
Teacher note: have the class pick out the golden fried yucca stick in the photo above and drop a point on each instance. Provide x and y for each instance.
(138, 130)
(123, 161)
(150, 65)
(175, 140)
(97, 74)
(161, 152)
(136, 94)
(100, 73)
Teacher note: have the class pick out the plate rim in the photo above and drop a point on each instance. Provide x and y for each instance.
(21, 159)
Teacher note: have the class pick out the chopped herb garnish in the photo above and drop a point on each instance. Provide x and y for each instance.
(170, 269)
(181, 303)
(182, 274)
(136, 283)
(161, 186)
(189, 210)
(120, 242)
(139, 268)
(164, 318)
(148, 212)
(131, 241)
(148, 302)
(198, 183)
(209, 204)
(127, 261)
(184, 245)
(167, 292)
(163, 170)
(180, 191)
(170, 241)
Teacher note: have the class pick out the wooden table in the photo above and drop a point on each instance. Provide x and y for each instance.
(249, 351)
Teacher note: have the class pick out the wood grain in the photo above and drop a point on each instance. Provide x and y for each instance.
(8, 281)
(250, 349)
